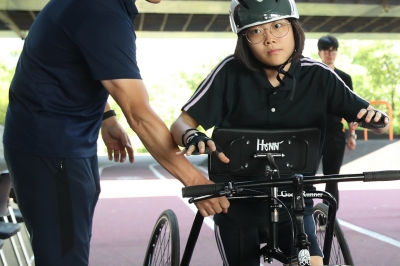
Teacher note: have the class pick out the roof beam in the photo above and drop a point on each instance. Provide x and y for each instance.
(11, 24)
(372, 21)
(187, 22)
(344, 23)
(209, 24)
(224, 35)
(141, 21)
(304, 21)
(222, 7)
(322, 24)
(385, 25)
(305, 9)
(32, 14)
(395, 29)
(164, 21)
(231, 35)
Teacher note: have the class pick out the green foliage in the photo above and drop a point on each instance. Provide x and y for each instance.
(168, 97)
(374, 67)
(382, 74)
(6, 75)
(193, 80)
(382, 69)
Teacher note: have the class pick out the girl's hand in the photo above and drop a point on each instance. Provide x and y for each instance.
(196, 144)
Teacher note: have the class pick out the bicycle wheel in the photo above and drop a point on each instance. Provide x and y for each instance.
(340, 252)
(163, 248)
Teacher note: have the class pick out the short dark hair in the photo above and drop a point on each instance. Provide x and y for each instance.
(245, 58)
(327, 42)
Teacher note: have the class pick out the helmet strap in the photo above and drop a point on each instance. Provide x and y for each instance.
(281, 70)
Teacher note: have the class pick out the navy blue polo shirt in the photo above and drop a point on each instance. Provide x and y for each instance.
(232, 97)
(56, 97)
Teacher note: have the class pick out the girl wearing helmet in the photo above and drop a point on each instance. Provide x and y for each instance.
(266, 84)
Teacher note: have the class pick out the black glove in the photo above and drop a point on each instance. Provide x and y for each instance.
(372, 124)
(194, 139)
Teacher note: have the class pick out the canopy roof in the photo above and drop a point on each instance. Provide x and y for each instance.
(346, 19)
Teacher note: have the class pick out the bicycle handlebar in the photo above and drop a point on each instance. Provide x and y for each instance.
(222, 189)
(381, 176)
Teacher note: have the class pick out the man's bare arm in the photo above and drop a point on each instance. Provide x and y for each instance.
(131, 95)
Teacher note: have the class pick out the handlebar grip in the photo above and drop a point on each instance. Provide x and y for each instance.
(372, 124)
(202, 190)
(382, 176)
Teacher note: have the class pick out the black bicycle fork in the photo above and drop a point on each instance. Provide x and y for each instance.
(192, 239)
(270, 251)
(301, 243)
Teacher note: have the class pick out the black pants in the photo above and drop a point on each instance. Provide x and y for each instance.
(57, 198)
(332, 159)
(241, 247)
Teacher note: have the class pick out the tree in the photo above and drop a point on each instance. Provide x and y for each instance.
(374, 67)
(6, 74)
(382, 65)
(383, 69)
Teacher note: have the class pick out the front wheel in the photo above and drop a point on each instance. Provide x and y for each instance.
(163, 248)
(340, 252)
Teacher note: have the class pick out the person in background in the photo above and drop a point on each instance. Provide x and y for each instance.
(335, 137)
(77, 53)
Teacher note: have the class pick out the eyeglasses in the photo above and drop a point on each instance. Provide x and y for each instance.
(332, 52)
(279, 29)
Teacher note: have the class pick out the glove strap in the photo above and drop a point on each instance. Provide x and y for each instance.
(183, 135)
(195, 138)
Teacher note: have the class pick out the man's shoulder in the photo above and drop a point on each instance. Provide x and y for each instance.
(341, 73)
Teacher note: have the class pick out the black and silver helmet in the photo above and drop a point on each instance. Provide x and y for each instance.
(248, 13)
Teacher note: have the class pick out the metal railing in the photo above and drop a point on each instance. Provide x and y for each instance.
(390, 114)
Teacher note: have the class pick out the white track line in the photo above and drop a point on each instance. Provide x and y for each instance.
(207, 220)
(210, 222)
(172, 187)
(369, 233)
(156, 172)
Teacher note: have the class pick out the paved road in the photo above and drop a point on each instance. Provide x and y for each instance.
(134, 195)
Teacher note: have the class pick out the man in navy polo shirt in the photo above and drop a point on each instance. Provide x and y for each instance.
(76, 54)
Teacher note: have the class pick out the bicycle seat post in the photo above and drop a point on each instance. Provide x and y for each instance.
(272, 244)
(301, 241)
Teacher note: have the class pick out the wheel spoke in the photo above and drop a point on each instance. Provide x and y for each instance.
(337, 254)
(163, 248)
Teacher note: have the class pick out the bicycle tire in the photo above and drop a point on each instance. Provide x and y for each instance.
(340, 252)
(164, 248)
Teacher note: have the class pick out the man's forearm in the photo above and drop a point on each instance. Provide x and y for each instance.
(156, 137)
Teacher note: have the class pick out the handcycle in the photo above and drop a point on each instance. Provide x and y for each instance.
(163, 248)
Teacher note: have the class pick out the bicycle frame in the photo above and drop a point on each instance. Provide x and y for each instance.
(271, 252)
(230, 188)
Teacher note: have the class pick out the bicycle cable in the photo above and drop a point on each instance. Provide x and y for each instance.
(288, 212)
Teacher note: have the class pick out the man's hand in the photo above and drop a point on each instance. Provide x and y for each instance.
(351, 143)
(116, 140)
(211, 206)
